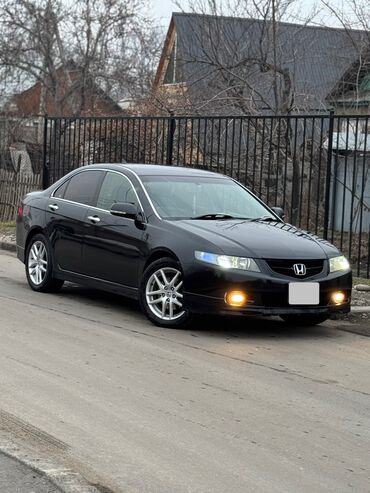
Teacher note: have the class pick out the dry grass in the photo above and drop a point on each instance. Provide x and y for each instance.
(7, 227)
(361, 280)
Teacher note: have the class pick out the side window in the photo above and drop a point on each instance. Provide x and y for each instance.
(82, 188)
(59, 192)
(115, 188)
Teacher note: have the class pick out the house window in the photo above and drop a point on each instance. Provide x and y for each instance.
(365, 83)
(173, 75)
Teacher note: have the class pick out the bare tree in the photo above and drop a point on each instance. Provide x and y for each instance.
(250, 62)
(243, 60)
(262, 65)
(114, 44)
(110, 42)
(353, 15)
(28, 45)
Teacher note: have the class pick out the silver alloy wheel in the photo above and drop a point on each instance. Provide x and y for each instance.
(37, 263)
(163, 293)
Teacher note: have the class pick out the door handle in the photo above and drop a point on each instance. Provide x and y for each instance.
(53, 207)
(94, 219)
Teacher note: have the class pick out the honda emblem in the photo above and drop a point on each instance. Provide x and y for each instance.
(299, 269)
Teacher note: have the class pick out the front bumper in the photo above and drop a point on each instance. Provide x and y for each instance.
(205, 289)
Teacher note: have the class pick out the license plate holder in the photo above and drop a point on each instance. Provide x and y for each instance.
(304, 293)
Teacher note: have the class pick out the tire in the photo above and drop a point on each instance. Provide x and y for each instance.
(161, 301)
(304, 320)
(39, 268)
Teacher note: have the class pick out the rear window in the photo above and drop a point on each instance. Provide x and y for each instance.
(83, 187)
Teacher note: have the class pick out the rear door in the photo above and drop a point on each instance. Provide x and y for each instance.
(66, 217)
(113, 245)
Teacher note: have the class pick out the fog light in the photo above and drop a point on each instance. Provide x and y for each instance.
(236, 298)
(338, 297)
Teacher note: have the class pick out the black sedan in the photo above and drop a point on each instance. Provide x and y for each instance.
(182, 241)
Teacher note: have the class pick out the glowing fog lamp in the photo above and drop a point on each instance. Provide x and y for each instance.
(236, 298)
(338, 297)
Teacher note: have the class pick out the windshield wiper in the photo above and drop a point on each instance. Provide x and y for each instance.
(219, 215)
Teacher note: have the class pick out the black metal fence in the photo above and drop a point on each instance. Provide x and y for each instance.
(314, 166)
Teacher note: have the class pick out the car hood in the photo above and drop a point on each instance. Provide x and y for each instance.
(259, 239)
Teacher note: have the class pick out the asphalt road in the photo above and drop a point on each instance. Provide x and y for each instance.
(228, 406)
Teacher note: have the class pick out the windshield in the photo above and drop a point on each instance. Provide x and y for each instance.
(192, 197)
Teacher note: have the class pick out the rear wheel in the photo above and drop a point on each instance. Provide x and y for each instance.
(39, 270)
(304, 320)
(161, 297)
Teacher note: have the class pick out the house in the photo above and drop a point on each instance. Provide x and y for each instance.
(71, 94)
(228, 65)
(352, 92)
(22, 122)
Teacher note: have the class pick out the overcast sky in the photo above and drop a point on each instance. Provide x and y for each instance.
(162, 10)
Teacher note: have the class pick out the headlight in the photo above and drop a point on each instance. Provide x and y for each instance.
(227, 262)
(338, 263)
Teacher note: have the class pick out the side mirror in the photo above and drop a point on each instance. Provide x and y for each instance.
(279, 211)
(124, 209)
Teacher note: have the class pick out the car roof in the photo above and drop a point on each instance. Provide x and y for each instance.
(157, 169)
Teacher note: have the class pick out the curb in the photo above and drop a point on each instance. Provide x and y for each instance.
(10, 247)
(362, 288)
(360, 309)
(352, 327)
(64, 479)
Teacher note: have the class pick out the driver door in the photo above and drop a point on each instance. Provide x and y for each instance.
(113, 245)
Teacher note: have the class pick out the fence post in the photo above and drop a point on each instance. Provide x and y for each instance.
(45, 167)
(328, 175)
(170, 135)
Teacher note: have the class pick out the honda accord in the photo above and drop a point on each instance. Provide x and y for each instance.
(182, 241)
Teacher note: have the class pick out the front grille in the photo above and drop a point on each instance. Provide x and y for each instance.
(285, 267)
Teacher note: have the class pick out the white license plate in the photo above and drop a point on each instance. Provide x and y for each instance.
(304, 293)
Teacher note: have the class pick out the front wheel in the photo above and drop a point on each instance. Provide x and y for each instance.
(161, 296)
(39, 269)
(304, 320)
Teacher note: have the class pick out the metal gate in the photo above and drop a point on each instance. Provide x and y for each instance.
(314, 166)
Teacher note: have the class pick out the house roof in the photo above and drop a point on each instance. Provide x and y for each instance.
(216, 53)
(69, 92)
